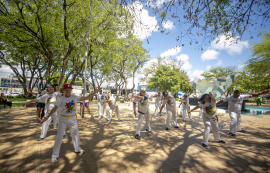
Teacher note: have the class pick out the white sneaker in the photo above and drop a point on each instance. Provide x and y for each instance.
(54, 160)
(82, 151)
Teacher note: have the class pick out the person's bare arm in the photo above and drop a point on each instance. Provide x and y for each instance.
(90, 95)
(134, 109)
(221, 101)
(32, 101)
(257, 94)
(213, 100)
(196, 107)
(54, 109)
(161, 109)
(30, 92)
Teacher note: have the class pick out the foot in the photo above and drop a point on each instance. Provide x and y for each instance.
(65, 135)
(81, 151)
(38, 119)
(137, 136)
(232, 134)
(205, 146)
(221, 141)
(166, 128)
(120, 120)
(176, 127)
(54, 160)
(99, 117)
(242, 131)
(39, 139)
(108, 119)
(184, 120)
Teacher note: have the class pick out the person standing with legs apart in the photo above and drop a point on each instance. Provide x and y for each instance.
(169, 101)
(208, 104)
(157, 103)
(101, 104)
(234, 108)
(143, 109)
(67, 108)
(113, 107)
(49, 100)
(185, 107)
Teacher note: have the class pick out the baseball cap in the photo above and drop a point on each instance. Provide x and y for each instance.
(67, 86)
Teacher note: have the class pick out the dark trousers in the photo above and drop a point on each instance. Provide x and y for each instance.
(9, 103)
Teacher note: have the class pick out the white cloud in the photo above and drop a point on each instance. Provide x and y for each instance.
(5, 71)
(209, 55)
(168, 25)
(241, 66)
(171, 52)
(182, 57)
(195, 74)
(208, 67)
(186, 66)
(144, 24)
(233, 46)
(220, 62)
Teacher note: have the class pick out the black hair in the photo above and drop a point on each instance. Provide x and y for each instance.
(52, 86)
(236, 91)
(202, 98)
(55, 85)
(163, 93)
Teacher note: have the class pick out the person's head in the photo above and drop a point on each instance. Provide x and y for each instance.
(39, 91)
(100, 91)
(67, 89)
(236, 93)
(57, 87)
(205, 99)
(2, 94)
(165, 94)
(142, 91)
(158, 93)
(109, 94)
(185, 96)
(50, 89)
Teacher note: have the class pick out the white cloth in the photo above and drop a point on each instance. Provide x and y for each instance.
(185, 113)
(113, 106)
(101, 97)
(185, 103)
(99, 110)
(209, 109)
(143, 105)
(67, 106)
(171, 113)
(208, 123)
(49, 100)
(157, 104)
(235, 104)
(71, 122)
(139, 122)
(235, 122)
(170, 102)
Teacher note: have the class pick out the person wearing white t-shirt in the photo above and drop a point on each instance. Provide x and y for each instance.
(184, 103)
(169, 101)
(234, 108)
(113, 107)
(49, 100)
(157, 103)
(143, 109)
(208, 105)
(101, 104)
(67, 106)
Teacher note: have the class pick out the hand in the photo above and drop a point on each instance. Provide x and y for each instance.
(189, 112)
(43, 120)
(134, 95)
(210, 94)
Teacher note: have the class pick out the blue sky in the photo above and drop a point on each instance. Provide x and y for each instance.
(195, 60)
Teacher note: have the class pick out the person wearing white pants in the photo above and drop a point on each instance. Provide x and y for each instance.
(143, 110)
(49, 100)
(184, 103)
(101, 104)
(169, 101)
(113, 107)
(157, 103)
(208, 105)
(67, 109)
(234, 108)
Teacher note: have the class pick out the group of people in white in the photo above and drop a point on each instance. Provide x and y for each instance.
(62, 110)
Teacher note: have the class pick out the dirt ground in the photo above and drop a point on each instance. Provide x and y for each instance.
(111, 146)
